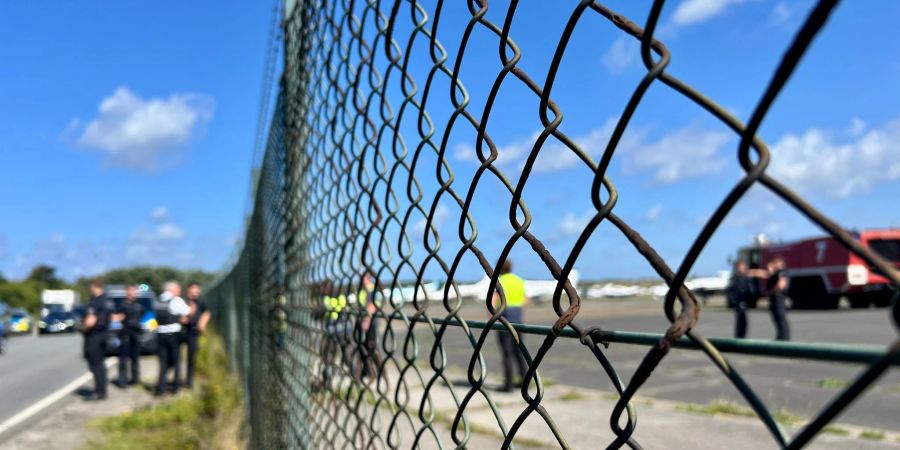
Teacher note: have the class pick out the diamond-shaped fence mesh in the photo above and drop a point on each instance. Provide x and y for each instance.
(339, 339)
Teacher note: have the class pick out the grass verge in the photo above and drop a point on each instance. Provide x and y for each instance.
(726, 408)
(209, 416)
(873, 435)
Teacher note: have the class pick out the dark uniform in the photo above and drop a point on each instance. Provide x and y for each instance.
(777, 307)
(740, 290)
(167, 342)
(336, 331)
(189, 337)
(130, 338)
(366, 332)
(94, 343)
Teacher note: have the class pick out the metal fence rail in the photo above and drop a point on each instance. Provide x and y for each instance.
(341, 187)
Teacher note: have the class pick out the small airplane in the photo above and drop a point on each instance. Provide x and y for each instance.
(537, 290)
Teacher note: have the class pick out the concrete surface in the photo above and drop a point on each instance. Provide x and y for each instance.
(35, 367)
(65, 425)
(796, 386)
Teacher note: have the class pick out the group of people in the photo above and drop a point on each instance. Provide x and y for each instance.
(180, 322)
(355, 344)
(744, 289)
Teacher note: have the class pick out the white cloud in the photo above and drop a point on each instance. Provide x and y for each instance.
(690, 12)
(781, 13)
(160, 214)
(818, 162)
(159, 243)
(761, 212)
(506, 154)
(570, 226)
(857, 126)
(140, 134)
(555, 156)
(681, 154)
(441, 216)
(654, 212)
(621, 54)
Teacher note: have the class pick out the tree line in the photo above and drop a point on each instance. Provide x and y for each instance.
(26, 293)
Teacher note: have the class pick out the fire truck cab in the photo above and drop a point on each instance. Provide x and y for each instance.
(821, 270)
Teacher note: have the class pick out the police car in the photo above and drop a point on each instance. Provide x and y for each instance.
(58, 322)
(115, 295)
(19, 322)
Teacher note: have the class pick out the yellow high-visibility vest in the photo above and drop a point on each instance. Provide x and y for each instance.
(363, 295)
(334, 306)
(514, 289)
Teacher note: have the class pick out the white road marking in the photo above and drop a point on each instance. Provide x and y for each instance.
(43, 403)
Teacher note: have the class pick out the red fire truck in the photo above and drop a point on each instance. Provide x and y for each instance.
(821, 270)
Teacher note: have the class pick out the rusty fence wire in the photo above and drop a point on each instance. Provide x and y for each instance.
(325, 309)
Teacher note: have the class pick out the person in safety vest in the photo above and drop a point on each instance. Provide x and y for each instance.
(336, 327)
(368, 301)
(513, 288)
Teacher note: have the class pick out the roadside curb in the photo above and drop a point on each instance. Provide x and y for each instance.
(49, 400)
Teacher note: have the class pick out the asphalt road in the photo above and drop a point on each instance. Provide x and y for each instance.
(34, 367)
(796, 386)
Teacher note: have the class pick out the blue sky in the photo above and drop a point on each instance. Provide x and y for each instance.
(127, 129)
(162, 176)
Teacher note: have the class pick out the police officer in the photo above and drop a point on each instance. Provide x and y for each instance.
(369, 302)
(171, 313)
(335, 329)
(129, 313)
(514, 290)
(94, 327)
(195, 326)
(739, 291)
(776, 286)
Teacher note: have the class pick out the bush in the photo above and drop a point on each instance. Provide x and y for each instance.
(211, 416)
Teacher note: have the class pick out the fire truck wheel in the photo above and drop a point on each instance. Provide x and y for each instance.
(884, 300)
(859, 301)
(810, 293)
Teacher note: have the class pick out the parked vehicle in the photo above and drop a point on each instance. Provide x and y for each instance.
(19, 322)
(115, 294)
(2, 337)
(58, 322)
(821, 270)
(58, 300)
(79, 311)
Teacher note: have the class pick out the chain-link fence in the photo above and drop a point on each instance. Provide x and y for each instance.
(337, 335)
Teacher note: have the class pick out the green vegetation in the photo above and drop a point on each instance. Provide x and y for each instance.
(718, 407)
(210, 416)
(572, 396)
(787, 418)
(833, 383)
(874, 435)
(548, 382)
(834, 429)
(614, 396)
(154, 276)
(27, 293)
(727, 408)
